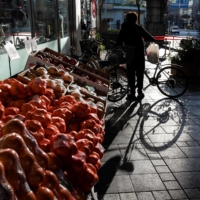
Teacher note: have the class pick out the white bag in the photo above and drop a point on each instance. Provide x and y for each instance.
(152, 53)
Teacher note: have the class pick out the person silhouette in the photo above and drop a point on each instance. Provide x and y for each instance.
(132, 34)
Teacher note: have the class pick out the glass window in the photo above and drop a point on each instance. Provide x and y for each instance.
(63, 18)
(45, 21)
(14, 22)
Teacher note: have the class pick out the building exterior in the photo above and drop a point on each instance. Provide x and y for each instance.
(115, 11)
(187, 17)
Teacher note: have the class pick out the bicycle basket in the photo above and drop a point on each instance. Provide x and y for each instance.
(120, 54)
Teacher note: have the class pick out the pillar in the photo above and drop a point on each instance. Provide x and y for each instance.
(155, 22)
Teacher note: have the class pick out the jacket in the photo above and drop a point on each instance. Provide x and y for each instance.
(132, 34)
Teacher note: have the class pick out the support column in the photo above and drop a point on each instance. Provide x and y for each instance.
(155, 22)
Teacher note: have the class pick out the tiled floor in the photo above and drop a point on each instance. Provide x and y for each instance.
(152, 148)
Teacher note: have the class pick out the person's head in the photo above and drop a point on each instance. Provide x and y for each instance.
(131, 17)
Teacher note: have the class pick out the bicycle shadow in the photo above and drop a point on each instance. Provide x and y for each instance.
(116, 120)
(163, 112)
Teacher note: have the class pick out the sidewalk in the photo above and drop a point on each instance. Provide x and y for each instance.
(152, 148)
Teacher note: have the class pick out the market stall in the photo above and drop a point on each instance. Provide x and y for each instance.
(52, 129)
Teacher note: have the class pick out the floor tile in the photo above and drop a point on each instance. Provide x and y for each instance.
(147, 182)
(114, 185)
(193, 193)
(145, 196)
(183, 164)
(110, 152)
(135, 154)
(172, 185)
(162, 169)
(188, 180)
(161, 195)
(127, 196)
(171, 153)
(191, 152)
(167, 177)
(158, 162)
(177, 194)
(109, 197)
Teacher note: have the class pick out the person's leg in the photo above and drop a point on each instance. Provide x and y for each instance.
(140, 74)
(131, 73)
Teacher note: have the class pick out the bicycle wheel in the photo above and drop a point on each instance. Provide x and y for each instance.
(171, 81)
(118, 84)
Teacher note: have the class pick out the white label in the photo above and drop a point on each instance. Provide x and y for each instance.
(34, 45)
(11, 51)
(28, 46)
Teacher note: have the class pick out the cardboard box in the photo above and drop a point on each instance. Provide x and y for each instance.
(100, 73)
(21, 77)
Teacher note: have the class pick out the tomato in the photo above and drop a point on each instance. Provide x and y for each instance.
(50, 180)
(35, 176)
(54, 163)
(27, 107)
(2, 110)
(43, 193)
(36, 129)
(59, 123)
(64, 145)
(67, 98)
(51, 130)
(78, 162)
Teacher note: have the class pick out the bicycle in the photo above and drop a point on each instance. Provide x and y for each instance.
(118, 74)
(169, 79)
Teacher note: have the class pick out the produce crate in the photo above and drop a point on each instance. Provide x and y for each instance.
(96, 95)
(87, 78)
(100, 73)
(22, 77)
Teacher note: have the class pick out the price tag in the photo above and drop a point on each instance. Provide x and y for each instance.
(28, 46)
(34, 44)
(11, 51)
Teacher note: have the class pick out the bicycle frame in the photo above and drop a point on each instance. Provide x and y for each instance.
(153, 78)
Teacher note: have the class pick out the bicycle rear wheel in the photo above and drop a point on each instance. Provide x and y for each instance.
(172, 81)
(118, 84)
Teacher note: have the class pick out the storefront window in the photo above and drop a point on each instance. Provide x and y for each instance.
(14, 23)
(63, 18)
(45, 21)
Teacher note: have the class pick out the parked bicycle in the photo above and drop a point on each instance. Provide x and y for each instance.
(118, 74)
(169, 79)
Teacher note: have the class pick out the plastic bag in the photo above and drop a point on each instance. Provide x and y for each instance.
(153, 53)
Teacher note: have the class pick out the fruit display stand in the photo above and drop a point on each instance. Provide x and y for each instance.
(50, 147)
(94, 94)
(52, 129)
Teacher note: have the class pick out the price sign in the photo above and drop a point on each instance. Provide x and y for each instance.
(28, 46)
(11, 51)
(34, 45)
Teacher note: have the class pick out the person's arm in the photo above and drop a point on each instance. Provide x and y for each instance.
(146, 35)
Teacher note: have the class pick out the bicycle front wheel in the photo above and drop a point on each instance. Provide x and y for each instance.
(118, 84)
(172, 81)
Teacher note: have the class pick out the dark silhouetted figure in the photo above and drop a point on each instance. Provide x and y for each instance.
(132, 34)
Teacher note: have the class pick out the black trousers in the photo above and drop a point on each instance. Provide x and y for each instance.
(136, 70)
